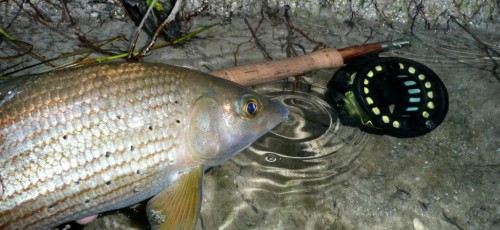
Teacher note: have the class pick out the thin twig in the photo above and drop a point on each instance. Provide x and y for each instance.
(170, 18)
(138, 30)
(291, 28)
(257, 40)
(290, 51)
(382, 14)
(86, 53)
(26, 47)
(488, 50)
(81, 36)
(15, 15)
(189, 35)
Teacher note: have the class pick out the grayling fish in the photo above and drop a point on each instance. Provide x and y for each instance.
(78, 142)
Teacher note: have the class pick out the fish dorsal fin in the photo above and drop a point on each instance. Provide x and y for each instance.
(178, 206)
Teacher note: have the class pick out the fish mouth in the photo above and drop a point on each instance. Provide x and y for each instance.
(279, 114)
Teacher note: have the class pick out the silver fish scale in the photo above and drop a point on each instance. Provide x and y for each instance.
(58, 124)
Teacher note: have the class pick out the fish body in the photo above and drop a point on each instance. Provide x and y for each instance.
(78, 142)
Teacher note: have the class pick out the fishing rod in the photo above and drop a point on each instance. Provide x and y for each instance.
(268, 71)
(382, 95)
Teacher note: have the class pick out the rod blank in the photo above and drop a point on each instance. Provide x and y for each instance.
(258, 73)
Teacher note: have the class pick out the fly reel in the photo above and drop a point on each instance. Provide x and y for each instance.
(389, 95)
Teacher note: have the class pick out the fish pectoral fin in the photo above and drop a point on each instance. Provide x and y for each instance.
(178, 206)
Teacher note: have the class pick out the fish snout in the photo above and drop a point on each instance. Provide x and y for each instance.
(279, 113)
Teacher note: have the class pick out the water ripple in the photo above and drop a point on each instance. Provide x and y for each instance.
(309, 148)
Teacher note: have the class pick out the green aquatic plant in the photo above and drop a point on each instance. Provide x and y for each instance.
(158, 6)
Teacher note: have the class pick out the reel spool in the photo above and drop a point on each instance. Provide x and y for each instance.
(389, 95)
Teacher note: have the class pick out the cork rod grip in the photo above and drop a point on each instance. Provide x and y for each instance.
(277, 69)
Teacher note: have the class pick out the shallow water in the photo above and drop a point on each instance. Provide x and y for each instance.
(312, 172)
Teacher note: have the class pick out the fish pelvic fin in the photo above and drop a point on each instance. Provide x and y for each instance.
(178, 206)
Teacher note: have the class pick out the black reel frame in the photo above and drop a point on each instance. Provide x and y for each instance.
(388, 95)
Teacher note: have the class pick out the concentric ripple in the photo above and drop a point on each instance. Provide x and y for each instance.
(310, 144)
(295, 165)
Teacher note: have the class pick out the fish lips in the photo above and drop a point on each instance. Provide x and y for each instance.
(280, 114)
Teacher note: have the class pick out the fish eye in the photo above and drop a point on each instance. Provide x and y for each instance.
(251, 107)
